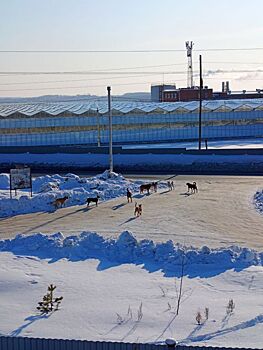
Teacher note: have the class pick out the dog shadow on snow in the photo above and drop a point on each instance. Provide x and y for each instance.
(116, 207)
(34, 228)
(129, 220)
(192, 337)
(187, 194)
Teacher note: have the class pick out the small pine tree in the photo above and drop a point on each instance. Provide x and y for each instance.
(49, 304)
(198, 317)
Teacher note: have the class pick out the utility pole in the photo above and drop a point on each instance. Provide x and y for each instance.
(98, 126)
(200, 104)
(110, 129)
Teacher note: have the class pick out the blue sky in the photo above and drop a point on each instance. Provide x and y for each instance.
(127, 25)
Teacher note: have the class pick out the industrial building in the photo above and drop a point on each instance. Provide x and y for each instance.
(169, 93)
(86, 122)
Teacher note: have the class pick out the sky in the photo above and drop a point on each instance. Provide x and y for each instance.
(118, 25)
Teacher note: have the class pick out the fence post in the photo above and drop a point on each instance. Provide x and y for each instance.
(171, 343)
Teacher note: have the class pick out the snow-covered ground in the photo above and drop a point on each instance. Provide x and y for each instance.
(123, 288)
(218, 144)
(47, 188)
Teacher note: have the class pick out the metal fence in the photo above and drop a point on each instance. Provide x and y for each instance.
(20, 343)
(129, 128)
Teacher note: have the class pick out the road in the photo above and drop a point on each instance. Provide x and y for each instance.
(220, 214)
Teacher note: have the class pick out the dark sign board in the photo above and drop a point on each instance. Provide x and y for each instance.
(20, 178)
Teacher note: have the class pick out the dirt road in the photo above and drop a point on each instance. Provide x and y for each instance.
(220, 214)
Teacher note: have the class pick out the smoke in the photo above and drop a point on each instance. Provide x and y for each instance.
(248, 72)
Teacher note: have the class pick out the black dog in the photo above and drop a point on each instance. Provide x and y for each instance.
(192, 187)
(129, 196)
(94, 200)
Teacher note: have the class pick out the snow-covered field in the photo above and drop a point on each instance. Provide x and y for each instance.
(126, 288)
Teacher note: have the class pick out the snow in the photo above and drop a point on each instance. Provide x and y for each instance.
(258, 201)
(47, 188)
(4, 182)
(216, 144)
(100, 278)
(126, 249)
(105, 278)
(55, 108)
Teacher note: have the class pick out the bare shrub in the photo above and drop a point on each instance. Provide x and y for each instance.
(120, 319)
(129, 312)
(206, 313)
(180, 291)
(230, 306)
(198, 317)
(139, 313)
(163, 291)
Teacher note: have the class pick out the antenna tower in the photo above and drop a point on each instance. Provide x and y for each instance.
(189, 48)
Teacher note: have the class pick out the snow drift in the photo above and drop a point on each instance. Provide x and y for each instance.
(126, 249)
(47, 188)
(258, 201)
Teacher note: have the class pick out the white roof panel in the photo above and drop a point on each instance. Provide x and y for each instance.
(80, 107)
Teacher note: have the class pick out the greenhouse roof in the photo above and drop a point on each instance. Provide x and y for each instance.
(121, 107)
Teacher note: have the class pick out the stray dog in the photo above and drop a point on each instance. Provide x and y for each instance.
(145, 187)
(154, 185)
(138, 209)
(192, 187)
(129, 195)
(94, 200)
(170, 185)
(59, 202)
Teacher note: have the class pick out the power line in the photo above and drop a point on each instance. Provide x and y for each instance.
(76, 80)
(124, 73)
(133, 51)
(87, 73)
(87, 86)
(74, 87)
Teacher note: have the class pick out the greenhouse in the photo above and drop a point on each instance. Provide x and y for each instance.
(86, 122)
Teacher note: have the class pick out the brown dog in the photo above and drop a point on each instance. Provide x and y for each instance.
(138, 209)
(59, 202)
(145, 187)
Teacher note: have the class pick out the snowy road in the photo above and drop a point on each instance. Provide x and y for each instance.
(221, 214)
